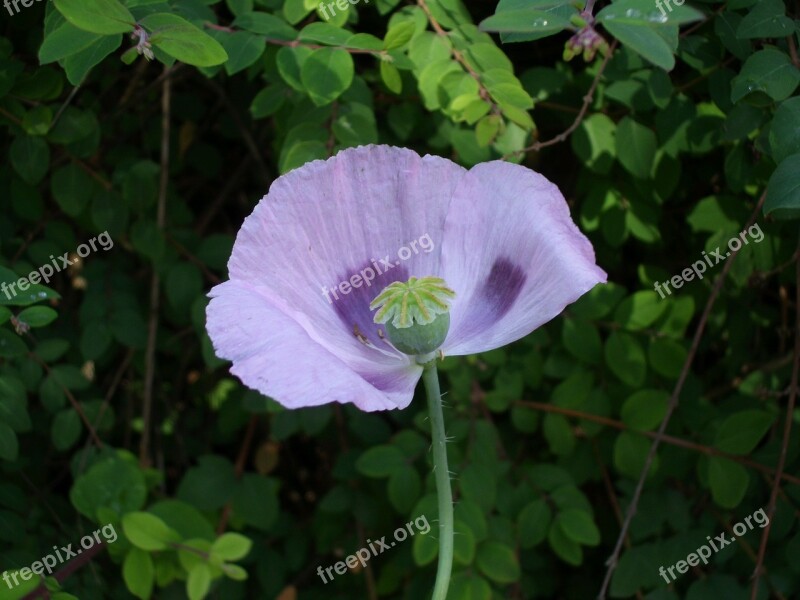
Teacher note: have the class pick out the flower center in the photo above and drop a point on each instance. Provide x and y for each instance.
(416, 314)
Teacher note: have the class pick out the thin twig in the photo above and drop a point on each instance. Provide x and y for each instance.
(155, 280)
(263, 170)
(106, 401)
(10, 117)
(241, 460)
(793, 52)
(62, 574)
(107, 185)
(458, 57)
(787, 431)
(73, 401)
(672, 405)
(65, 105)
(587, 101)
(298, 43)
(666, 438)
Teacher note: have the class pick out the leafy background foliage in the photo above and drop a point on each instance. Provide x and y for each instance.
(679, 129)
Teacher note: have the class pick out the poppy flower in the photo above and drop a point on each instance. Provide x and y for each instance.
(330, 236)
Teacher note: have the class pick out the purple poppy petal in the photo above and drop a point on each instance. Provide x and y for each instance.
(274, 355)
(327, 222)
(513, 256)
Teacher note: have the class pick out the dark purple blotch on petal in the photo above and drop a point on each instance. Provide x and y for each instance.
(353, 308)
(495, 296)
(502, 287)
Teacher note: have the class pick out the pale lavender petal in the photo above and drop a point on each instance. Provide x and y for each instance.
(274, 355)
(513, 255)
(323, 224)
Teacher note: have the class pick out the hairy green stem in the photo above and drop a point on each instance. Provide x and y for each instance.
(431, 378)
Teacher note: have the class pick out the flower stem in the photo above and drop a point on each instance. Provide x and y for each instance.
(431, 378)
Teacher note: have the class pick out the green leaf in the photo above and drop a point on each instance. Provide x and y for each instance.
(78, 65)
(630, 453)
(113, 483)
(638, 568)
(238, 7)
(105, 17)
(479, 485)
(593, 143)
(268, 101)
(783, 190)
(728, 481)
(30, 157)
(666, 357)
(302, 152)
(487, 129)
(243, 50)
(784, 132)
(639, 310)
(645, 409)
(533, 523)
(139, 573)
(769, 71)
(579, 526)
(13, 407)
(466, 586)
(767, 19)
(725, 26)
(399, 35)
(740, 433)
(199, 582)
(425, 549)
(11, 346)
(325, 33)
(404, 488)
(289, 62)
(235, 572)
(265, 24)
(364, 41)
(391, 77)
(209, 485)
(148, 532)
(184, 283)
(326, 74)
(636, 147)
(72, 188)
(498, 562)
(558, 433)
(380, 461)
(256, 501)
(644, 40)
(526, 20)
(231, 546)
(66, 429)
(63, 41)
(180, 39)
(567, 550)
(9, 446)
(647, 13)
(625, 358)
(38, 316)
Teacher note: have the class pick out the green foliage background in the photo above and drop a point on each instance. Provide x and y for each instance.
(114, 410)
